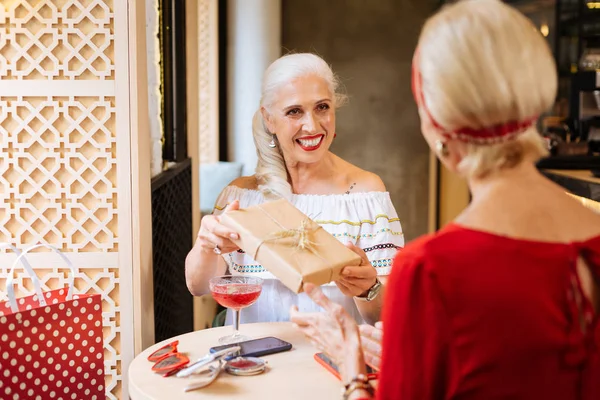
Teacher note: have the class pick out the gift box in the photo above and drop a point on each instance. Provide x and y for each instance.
(289, 244)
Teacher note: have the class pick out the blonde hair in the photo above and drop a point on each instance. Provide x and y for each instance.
(271, 171)
(483, 63)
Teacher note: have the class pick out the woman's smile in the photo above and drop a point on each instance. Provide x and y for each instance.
(310, 143)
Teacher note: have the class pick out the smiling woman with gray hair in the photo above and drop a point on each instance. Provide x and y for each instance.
(294, 128)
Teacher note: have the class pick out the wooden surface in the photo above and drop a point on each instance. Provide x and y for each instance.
(432, 208)
(291, 375)
(136, 235)
(582, 175)
(453, 196)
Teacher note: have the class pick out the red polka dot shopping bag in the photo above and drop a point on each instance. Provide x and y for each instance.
(51, 343)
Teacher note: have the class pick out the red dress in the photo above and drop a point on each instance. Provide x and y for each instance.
(473, 315)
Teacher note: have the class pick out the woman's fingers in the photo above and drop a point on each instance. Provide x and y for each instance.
(360, 252)
(360, 272)
(210, 241)
(373, 360)
(370, 345)
(213, 233)
(234, 205)
(224, 232)
(215, 240)
(353, 287)
(371, 338)
(333, 309)
(347, 291)
(317, 295)
(316, 337)
(371, 332)
(212, 224)
(308, 329)
(328, 331)
(302, 319)
(355, 283)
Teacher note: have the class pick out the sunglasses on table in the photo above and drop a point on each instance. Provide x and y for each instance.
(167, 360)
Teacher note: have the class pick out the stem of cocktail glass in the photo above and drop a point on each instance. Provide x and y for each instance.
(236, 323)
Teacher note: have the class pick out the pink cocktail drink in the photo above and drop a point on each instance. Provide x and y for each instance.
(235, 292)
(236, 295)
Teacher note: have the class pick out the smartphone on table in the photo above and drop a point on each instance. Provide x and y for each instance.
(330, 366)
(257, 347)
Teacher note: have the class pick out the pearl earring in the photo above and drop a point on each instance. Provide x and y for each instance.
(441, 148)
(272, 144)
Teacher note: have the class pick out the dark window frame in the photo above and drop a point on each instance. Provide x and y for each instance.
(173, 78)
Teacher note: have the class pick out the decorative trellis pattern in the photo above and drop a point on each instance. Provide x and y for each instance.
(58, 172)
(209, 136)
(57, 39)
(58, 152)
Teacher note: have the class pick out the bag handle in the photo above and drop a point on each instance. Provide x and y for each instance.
(21, 258)
(9, 282)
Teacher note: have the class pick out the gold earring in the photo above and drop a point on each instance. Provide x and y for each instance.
(441, 148)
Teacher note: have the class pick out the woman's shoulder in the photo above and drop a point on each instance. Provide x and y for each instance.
(245, 182)
(447, 247)
(361, 180)
(427, 257)
(244, 189)
(448, 241)
(368, 182)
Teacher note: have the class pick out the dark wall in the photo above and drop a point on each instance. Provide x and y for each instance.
(370, 45)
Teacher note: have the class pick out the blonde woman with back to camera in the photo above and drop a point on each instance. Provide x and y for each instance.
(294, 128)
(503, 302)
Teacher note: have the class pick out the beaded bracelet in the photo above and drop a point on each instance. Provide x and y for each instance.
(358, 378)
(360, 382)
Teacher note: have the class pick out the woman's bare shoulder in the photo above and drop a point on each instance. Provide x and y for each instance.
(362, 180)
(245, 182)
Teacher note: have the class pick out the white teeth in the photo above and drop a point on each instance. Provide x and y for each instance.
(311, 142)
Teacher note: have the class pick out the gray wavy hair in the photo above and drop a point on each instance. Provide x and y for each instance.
(271, 172)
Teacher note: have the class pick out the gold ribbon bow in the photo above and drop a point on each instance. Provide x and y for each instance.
(300, 237)
(296, 237)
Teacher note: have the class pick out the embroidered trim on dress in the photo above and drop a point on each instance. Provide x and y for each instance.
(257, 268)
(366, 249)
(246, 269)
(381, 246)
(383, 263)
(344, 221)
(369, 235)
(353, 223)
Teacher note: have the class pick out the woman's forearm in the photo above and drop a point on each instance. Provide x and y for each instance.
(371, 310)
(353, 366)
(200, 266)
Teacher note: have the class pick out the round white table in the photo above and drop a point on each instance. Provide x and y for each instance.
(290, 375)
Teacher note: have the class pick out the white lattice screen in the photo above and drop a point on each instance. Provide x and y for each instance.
(59, 172)
(59, 175)
(208, 81)
(57, 39)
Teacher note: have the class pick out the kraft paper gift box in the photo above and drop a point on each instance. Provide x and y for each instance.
(289, 244)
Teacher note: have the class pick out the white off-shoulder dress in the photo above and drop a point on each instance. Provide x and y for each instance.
(368, 220)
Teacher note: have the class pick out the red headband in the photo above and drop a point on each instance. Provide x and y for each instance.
(488, 135)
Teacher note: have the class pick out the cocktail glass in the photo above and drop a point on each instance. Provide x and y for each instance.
(235, 292)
